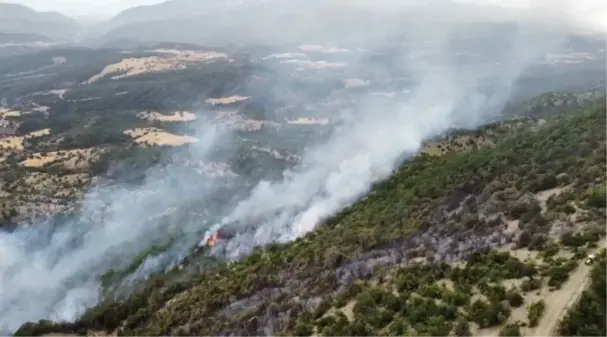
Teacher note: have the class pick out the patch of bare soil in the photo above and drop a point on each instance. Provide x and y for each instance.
(72, 159)
(543, 196)
(6, 112)
(226, 100)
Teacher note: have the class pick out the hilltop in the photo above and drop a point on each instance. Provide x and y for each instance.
(15, 18)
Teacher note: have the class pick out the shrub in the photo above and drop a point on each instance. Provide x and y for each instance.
(536, 310)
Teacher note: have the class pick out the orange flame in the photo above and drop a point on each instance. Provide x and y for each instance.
(212, 240)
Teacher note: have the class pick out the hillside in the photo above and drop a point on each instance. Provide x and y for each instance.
(520, 215)
(377, 172)
(22, 38)
(15, 18)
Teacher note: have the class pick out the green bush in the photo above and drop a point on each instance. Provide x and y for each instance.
(515, 299)
(510, 330)
(536, 310)
(597, 197)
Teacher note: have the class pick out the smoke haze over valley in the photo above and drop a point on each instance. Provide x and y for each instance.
(268, 119)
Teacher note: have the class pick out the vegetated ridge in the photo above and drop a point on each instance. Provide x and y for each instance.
(506, 213)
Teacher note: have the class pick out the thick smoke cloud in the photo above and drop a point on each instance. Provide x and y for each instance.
(372, 141)
(50, 272)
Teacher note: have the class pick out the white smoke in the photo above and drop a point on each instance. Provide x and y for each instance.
(49, 271)
(370, 143)
(56, 275)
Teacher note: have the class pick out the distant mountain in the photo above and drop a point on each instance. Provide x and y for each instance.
(212, 22)
(271, 21)
(15, 18)
(170, 9)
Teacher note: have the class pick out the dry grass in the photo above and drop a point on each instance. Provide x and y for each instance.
(459, 143)
(71, 159)
(12, 142)
(177, 116)
(39, 133)
(16, 142)
(155, 136)
(171, 60)
(5, 112)
(226, 100)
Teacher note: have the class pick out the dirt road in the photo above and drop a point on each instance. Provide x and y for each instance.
(558, 302)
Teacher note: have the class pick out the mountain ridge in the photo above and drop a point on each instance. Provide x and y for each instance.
(16, 18)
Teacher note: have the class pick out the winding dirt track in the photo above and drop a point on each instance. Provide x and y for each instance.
(558, 302)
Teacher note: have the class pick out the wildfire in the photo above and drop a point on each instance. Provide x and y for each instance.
(212, 240)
